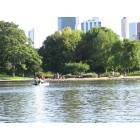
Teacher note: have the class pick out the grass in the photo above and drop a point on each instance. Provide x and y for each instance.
(8, 77)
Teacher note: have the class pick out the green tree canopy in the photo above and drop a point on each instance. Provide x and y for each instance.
(130, 58)
(16, 52)
(59, 49)
(95, 48)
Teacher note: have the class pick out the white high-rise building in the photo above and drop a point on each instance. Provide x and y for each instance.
(91, 23)
(31, 34)
(124, 27)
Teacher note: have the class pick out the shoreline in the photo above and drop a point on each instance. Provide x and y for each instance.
(78, 79)
(95, 79)
(21, 80)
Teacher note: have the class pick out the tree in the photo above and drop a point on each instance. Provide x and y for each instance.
(33, 60)
(15, 49)
(130, 58)
(116, 54)
(95, 48)
(59, 49)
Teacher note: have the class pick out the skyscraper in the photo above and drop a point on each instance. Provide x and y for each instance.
(64, 22)
(124, 27)
(31, 36)
(91, 23)
(134, 31)
(138, 30)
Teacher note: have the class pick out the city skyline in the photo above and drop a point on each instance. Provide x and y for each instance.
(45, 28)
(42, 15)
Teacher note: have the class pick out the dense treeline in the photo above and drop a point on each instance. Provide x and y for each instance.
(16, 54)
(100, 48)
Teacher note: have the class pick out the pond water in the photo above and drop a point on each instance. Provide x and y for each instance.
(74, 102)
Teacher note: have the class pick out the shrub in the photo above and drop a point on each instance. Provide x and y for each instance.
(45, 74)
(109, 74)
(70, 76)
(135, 73)
(83, 75)
(89, 75)
(76, 68)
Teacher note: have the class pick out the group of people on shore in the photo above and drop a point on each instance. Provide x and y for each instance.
(58, 76)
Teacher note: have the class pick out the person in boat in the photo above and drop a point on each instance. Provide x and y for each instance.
(36, 81)
(41, 80)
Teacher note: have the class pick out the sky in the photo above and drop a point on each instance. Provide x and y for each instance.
(42, 14)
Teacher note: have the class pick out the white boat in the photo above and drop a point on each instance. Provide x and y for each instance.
(44, 84)
(41, 84)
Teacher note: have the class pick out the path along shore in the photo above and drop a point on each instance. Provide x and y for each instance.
(97, 79)
(82, 79)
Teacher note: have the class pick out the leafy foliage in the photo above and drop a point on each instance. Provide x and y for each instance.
(16, 53)
(130, 58)
(95, 48)
(100, 48)
(59, 49)
(76, 68)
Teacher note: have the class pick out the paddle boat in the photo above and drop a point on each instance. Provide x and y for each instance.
(40, 82)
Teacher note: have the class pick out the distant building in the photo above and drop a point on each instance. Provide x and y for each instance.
(134, 31)
(89, 24)
(138, 30)
(64, 22)
(31, 36)
(124, 25)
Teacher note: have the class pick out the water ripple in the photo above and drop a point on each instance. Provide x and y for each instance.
(98, 101)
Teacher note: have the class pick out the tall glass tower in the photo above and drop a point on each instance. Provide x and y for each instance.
(64, 22)
(134, 31)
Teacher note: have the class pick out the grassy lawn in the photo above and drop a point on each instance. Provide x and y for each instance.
(7, 77)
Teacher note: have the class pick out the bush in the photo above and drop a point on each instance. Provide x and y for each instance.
(83, 75)
(76, 68)
(3, 75)
(135, 73)
(109, 74)
(45, 74)
(89, 75)
(70, 76)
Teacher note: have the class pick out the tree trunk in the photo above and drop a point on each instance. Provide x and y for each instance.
(128, 70)
(13, 73)
(23, 74)
(106, 70)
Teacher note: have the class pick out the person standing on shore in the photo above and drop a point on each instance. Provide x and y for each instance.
(57, 75)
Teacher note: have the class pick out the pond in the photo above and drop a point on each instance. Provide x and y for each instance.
(72, 102)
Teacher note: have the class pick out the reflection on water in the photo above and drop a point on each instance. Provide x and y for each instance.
(98, 101)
